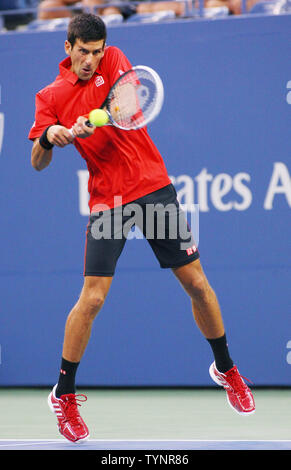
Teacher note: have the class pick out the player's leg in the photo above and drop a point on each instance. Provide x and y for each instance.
(79, 322)
(62, 400)
(206, 310)
(104, 244)
(173, 244)
(205, 305)
(101, 256)
(208, 317)
(177, 250)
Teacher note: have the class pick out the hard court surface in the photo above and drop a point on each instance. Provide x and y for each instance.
(136, 419)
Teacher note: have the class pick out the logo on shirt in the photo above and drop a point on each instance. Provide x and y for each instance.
(99, 81)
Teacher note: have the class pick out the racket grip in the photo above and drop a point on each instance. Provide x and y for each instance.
(88, 123)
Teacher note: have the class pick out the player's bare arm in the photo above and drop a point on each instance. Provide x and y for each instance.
(40, 157)
(59, 136)
(55, 135)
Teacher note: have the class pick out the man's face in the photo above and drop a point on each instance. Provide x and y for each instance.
(85, 57)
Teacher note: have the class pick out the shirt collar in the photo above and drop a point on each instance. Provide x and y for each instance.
(67, 74)
(65, 71)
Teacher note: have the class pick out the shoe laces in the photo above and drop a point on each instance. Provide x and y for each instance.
(71, 403)
(235, 380)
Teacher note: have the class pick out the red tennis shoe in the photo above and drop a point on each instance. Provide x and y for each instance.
(70, 423)
(239, 396)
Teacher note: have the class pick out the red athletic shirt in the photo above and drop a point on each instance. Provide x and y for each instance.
(120, 163)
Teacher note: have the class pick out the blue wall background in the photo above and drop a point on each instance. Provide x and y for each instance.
(226, 116)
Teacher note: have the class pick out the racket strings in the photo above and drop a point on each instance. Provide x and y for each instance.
(133, 98)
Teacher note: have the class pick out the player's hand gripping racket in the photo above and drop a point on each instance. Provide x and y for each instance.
(134, 100)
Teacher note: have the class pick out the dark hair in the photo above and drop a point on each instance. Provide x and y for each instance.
(87, 27)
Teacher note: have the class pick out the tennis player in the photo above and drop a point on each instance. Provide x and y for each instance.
(126, 164)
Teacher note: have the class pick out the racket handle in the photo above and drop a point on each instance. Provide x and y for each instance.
(88, 123)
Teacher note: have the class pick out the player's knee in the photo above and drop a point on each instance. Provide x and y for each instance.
(198, 287)
(91, 303)
(95, 302)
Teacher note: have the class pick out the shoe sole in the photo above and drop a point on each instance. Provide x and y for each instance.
(51, 407)
(217, 381)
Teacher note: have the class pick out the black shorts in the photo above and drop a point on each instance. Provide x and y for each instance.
(159, 219)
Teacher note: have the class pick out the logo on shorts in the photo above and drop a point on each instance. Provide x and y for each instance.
(191, 251)
(99, 81)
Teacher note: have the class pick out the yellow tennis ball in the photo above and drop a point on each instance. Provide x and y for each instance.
(98, 117)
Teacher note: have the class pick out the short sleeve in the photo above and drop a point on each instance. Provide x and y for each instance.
(116, 64)
(45, 114)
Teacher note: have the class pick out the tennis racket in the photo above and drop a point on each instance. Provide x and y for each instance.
(135, 99)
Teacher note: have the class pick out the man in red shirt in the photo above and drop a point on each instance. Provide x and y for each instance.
(124, 167)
